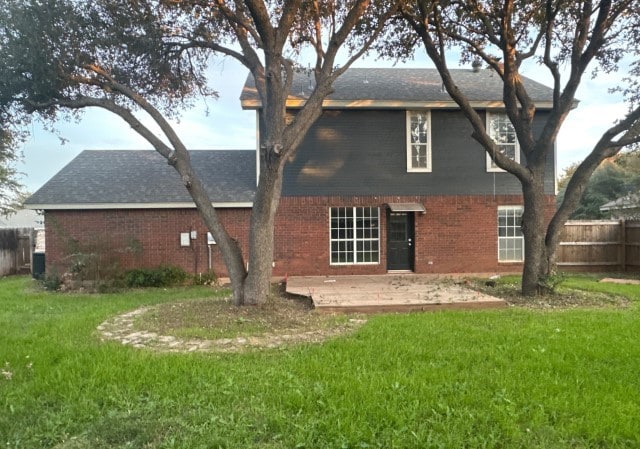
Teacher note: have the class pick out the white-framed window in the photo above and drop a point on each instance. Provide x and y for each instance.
(354, 235)
(503, 133)
(510, 238)
(419, 141)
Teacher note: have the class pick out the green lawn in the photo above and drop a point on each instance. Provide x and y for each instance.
(511, 378)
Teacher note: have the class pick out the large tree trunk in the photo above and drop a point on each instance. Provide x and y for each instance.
(533, 227)
(258, 281)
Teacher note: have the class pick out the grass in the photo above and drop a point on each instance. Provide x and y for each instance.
(510, 378)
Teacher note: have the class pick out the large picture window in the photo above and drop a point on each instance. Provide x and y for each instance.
(418, 141)
(355, 235)
(510, 238)
(503, 134)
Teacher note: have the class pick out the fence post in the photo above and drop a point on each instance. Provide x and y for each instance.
(623, 245)
(16, 236)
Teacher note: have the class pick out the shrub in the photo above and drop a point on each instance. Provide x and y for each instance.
(162, 276)
(550, 283)
(94, 262)
(51, 282)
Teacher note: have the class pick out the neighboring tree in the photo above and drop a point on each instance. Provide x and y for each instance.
(10, 188)
(630, 207)
(629, 161)
(610, 181)
(569, 39)
(127, 56)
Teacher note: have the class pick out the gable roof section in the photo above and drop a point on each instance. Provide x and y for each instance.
(126, 179)
(402, 88)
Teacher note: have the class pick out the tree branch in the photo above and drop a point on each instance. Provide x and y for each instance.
(138, 99)
(519, 107)
(372, 38)
(260, 15)
(237, 21)
(289, 12)
(202, 44)
(82, 102)
(550, 15)
(317, 42)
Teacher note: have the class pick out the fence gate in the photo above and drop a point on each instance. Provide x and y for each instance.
(15, 251)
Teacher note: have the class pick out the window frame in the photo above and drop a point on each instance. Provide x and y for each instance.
(520, 237)
(409, 144)
(490, 165)
(354, 239)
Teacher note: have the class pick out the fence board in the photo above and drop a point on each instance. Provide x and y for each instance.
(607, 244)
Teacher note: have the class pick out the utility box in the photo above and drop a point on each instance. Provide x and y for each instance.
(37, 265)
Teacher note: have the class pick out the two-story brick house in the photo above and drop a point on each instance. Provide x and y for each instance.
(388, 179)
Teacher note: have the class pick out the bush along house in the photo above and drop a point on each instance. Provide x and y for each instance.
(388, 179)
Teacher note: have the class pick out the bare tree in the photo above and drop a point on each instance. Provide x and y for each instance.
(150, 56)
(569, 39)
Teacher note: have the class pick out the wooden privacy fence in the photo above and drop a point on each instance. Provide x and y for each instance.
(15, 250)
(600, 245)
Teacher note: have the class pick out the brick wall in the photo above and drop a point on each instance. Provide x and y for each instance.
(138, 237)
(456, 234)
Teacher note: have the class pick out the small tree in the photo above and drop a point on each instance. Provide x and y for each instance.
(127, 56)
(577, 36)
(11, 194)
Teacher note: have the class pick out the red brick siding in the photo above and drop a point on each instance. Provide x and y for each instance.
(156, 232)
(456, 234)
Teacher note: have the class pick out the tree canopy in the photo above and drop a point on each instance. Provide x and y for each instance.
(149, 58)
(63, 54)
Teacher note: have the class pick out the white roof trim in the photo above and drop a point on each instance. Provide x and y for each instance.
(92, 206)
(391, 104)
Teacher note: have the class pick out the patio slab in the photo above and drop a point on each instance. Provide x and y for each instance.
(388, 293)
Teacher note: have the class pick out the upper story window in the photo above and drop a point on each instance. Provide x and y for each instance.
(418, 141)
(503, 134)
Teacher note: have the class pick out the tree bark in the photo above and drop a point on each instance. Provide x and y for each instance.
(258, 281)
(534, 230)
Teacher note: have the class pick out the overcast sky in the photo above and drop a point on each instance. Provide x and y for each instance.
(222, 124)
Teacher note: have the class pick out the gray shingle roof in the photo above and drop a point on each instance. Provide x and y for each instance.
(406, 85)
(144, 177)
(631, 200)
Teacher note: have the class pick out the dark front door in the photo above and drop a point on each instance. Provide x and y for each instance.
(400, 241)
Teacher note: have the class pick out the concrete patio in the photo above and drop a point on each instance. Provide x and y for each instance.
(389, 293)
